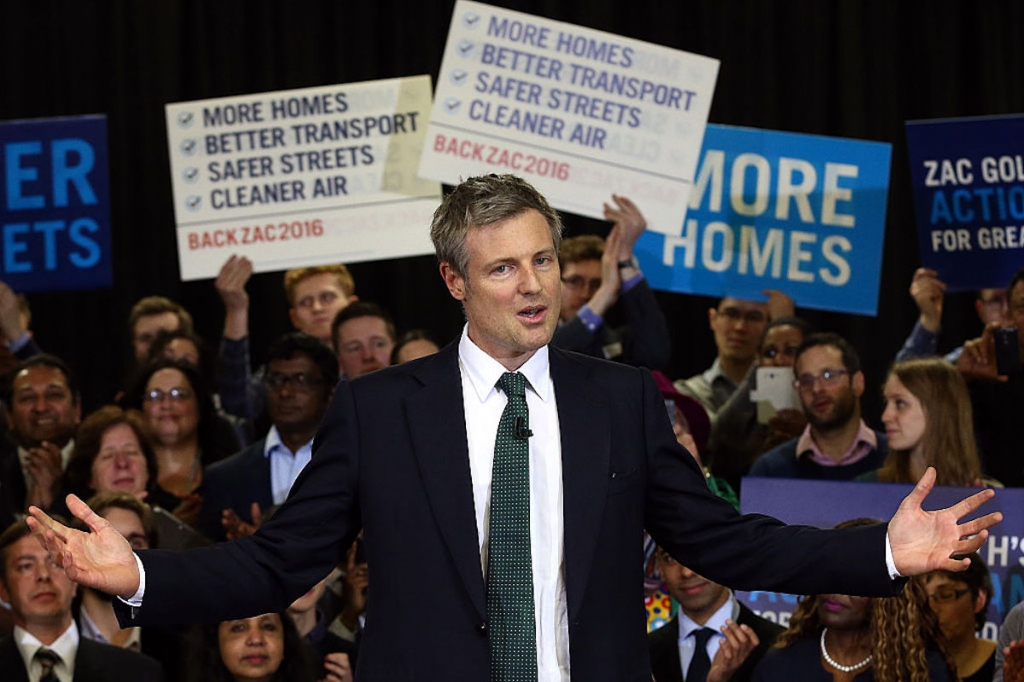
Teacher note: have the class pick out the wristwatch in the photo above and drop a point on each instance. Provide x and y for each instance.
(631, 262)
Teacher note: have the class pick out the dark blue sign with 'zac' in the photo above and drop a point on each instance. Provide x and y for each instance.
(54, 204)
(968, 177)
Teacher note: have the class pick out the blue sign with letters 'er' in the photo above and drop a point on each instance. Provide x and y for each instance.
(968, 176)
(54, 204)
(803, 214)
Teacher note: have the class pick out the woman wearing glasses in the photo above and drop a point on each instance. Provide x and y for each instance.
(961, 600)
(184, 430)
(737, 436)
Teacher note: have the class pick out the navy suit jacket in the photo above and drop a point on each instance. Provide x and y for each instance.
(235, 483)
(94, 662)
(664, 643)
(391, 457)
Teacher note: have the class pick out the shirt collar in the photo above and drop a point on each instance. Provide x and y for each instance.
(273, 443)
(484, 371)
(273, 440)
(65, 646)
(91, 631)
(730, 609)
(714, 372)
(863, 444)
(65, 454)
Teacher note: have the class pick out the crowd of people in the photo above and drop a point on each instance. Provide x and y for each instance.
(201, 447)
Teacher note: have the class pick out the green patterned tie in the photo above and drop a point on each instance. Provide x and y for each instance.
(509, 568)
(47, 661)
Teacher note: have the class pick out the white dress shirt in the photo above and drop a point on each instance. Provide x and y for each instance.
(483, 404)
(687, 643)
(285, 465)
(65, 646)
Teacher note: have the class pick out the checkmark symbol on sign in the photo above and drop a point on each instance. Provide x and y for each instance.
(188, 146)
(471, 19)
(185, 119)
(452, 105)
(458, 77)
(193, 203)
(190, 174)
(465, 48)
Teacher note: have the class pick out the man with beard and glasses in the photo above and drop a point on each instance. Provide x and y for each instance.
(837, 444)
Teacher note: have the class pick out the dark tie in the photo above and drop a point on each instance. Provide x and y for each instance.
(700, 664)
(47, 660)
(509, 568)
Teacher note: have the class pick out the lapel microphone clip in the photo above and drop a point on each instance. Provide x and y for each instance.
(522, 433)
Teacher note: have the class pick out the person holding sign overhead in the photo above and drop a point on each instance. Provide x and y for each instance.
(502, 487)
(596, 274)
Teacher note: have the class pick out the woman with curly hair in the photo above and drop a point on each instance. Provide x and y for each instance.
(929, 422)
(837, 637)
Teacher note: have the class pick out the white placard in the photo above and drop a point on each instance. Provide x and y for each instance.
(578, 113)
(302, 177)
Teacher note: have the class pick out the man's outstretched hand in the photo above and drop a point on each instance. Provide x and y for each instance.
(925, 541)
(102, 559)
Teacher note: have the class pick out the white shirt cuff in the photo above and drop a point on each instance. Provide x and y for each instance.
(889, 562)
(135, 600)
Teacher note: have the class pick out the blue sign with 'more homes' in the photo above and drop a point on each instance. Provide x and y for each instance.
(968, 176)
(54, 204)
(803, 214)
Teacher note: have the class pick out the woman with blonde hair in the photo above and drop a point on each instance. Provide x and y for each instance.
(929, 422)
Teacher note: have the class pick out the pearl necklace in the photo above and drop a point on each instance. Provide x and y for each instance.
(835, 664)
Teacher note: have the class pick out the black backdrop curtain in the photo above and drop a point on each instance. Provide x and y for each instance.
(852, 69)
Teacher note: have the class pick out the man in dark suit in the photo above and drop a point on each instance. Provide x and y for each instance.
(45, 638)
(43, 409)
(406, 454)
(300, 379)
(738, 637)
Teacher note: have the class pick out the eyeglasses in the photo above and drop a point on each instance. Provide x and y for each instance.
(299, 382)
(828, 378)
(734, 315)
(157, 395)
(944, 595)
(999, 302)
(772, 352)
(578, 282)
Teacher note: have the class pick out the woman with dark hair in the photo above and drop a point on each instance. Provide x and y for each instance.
(113, 455)
(835, 637)
(929, 422)
(738, 437)
(184, 430)
(961, 600)
(266, 648)
(187, 346)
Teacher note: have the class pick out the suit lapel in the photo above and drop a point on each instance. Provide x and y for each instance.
(583, 422)
(12, 666)
(260, 478)
(437, 421)
(665, 663)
